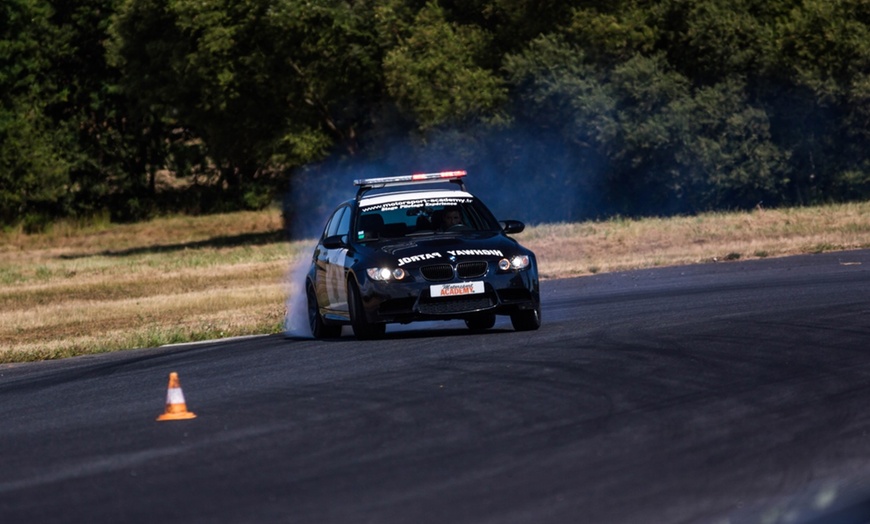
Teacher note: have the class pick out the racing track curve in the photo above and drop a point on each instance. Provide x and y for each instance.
(735, 392)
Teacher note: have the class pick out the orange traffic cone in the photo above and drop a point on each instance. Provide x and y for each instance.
(176, 409)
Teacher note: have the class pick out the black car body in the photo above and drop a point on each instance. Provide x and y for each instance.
(390, 257)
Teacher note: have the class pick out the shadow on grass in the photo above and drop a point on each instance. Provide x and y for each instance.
(245, 239)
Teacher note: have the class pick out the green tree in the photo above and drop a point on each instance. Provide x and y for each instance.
(728, 156)
(434, 76)
(819, 96)
(266, 86)
(187, 62)
(34, 182)
(332, 76)
(116, 150)
(668, 106)
(615, 34)
(659, 144)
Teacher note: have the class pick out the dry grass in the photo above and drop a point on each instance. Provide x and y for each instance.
(618, 244)
(92, 288)
(88, 288)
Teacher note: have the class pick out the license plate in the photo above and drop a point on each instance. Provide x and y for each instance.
(456, 290)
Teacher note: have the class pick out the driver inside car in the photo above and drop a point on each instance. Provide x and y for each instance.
(452, 217)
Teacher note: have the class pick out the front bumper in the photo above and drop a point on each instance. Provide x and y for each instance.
(410, 299)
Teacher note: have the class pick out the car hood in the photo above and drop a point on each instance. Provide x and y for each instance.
(449, 248)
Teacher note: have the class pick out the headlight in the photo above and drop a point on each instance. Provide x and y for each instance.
(515, 263)
(384, 273)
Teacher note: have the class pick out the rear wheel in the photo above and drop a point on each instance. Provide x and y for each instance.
(480, 321)
(362, 328)
(527, 319)
(319, 329)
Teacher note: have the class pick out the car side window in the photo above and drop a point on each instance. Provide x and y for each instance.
(344, 223)
(334, 222)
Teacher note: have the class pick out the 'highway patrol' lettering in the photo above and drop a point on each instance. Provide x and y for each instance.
(476, 252)
(459, 253)
(418, 258)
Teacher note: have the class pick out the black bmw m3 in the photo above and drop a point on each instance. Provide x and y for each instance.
(391, 256)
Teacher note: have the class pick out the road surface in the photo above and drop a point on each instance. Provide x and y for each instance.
(731, 392)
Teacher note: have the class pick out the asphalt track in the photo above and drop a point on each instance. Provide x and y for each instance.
(731, 392)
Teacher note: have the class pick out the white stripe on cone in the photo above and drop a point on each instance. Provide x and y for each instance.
(174, 396)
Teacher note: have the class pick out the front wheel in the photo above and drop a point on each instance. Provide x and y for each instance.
(527, 319)
(319, 329)
(362, 328)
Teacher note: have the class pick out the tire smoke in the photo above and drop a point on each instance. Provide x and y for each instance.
(296, 318)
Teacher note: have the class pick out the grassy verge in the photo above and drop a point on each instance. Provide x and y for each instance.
(90, 288)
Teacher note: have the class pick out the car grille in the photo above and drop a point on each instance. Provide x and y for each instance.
(471, 269)
(455, 305)
(437, 272)
(442, 272)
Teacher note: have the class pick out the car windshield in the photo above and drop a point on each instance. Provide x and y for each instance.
(392, 216)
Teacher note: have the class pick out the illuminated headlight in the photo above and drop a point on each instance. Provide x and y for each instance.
(517, 262)
(384, 274)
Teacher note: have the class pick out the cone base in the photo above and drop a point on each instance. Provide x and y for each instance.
(177, 416)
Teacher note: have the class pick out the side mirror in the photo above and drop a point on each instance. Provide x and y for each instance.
(512, 226)
(333, 242)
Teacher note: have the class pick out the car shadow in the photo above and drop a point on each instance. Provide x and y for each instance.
(244, 239)
(409, 333)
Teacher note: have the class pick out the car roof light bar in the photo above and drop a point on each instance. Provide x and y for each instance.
(366, 184)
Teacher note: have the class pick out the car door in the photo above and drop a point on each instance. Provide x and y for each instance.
(332, 264)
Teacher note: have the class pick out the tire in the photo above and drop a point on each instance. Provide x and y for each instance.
(319, 328)
(527, 319)
(362, 328)
(480, 321)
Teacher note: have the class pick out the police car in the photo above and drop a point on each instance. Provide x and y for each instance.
(398, 256)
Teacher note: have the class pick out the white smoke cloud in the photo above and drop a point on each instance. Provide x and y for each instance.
(296, 319)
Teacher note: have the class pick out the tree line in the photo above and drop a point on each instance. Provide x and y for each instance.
(580, 108)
